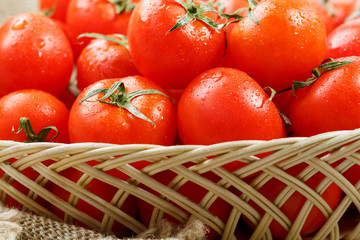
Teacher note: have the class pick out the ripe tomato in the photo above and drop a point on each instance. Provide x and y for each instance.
(100, 122)
(333, 99)
(194, 192)
(288, 42)
(292, 207)
(225, 104)
(173, 58)
(103, 59)
(59, 7)
(100, 16)
(43, 110)
(343, 40)
(99, 188)
(34, 53)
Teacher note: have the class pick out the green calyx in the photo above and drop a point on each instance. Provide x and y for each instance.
(49, 12)
(31, 135)
(195, 12)
(317, 72)
(122, 6)
(123, 41)
(116, 95)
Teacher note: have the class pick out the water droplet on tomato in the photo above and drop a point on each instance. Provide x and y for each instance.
(40, 54)
(40, 43)
(20, 24)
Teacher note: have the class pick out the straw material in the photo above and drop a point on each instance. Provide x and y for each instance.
(331, 153)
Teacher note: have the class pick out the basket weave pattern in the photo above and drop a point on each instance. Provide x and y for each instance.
(285, 153)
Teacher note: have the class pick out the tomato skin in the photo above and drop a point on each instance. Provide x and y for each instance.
(287, 44)
(103, 59)
(343, 40)
(101, 189)
(34, 53)
(99, 122)
(179, 55)
(291, 208)
(225, 104)
(41, 108)
(60, 8)
(97, 16)
(333, 99)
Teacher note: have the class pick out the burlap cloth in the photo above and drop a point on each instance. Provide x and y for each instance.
(16, 225)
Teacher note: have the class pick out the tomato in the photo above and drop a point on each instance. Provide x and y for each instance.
(343, 40)
(288, 42)
(333, 99)
(99, 188)
(43, 110)
(191, 190)
(34, 53)
(225, 104)
(99, 16)
(172, 59)
(101, 122)
(103, 59)
(342, 9)
(292, 207)
(59, 6)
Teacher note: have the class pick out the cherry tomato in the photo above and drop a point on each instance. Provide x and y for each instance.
(288, 42)
(34, 53)
(99, 16)
(43, 110)
(103, 59)
(59, 8)
(333, 99)
(292, 207)
(101, 189)
(102, 122)
(225, 104)
(172, 59)
(343, 40)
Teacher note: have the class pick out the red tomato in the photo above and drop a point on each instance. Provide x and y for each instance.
(342, 9)
(292, 207)
(173, 58)
(99, 188)
(333, 99)
(194, 192)
(103, 59)
(34, 53)
(98, 16)
(343, 40)
(43, 110)
(324, 13)
(288, 42)
(59, 5)
(225, 104)
(100, 122)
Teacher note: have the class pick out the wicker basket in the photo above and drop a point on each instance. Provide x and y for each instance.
(320, 152)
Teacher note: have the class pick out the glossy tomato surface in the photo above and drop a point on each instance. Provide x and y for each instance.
(172, 59)
(103, 59)
(99, 16)
(344, 40)
(225, 104)
(330, 104)
(288, 42)
(34, 53)
(93, 121)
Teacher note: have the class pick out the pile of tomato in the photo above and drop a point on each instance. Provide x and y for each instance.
(172, 72)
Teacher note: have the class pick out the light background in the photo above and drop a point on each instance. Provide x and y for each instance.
(12, 7)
